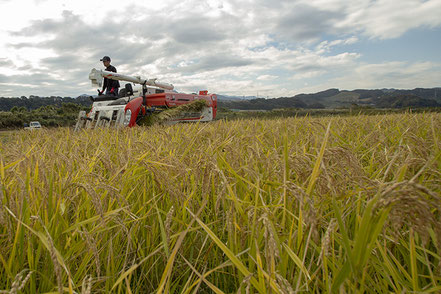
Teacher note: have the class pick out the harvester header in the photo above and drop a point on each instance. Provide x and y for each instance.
(97, 76)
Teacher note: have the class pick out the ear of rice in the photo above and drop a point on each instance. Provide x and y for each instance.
(173, 113)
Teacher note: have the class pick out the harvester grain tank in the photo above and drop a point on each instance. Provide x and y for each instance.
(134, 104)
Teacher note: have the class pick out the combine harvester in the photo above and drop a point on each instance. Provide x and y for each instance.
(132, 107)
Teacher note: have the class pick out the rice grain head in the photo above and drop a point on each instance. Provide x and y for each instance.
(412, 205)
(168, 222)
(326, 241)
(56, 264)
(20, 282)
(284, 286)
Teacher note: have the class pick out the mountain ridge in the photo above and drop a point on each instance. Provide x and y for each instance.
(329, 98)
(335, 98)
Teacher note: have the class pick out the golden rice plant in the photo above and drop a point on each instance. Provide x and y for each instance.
(167, 115)
(320, 205)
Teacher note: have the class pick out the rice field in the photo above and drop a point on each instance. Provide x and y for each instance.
(319, 205)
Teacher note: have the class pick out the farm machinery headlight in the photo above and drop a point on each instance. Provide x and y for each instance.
(127, 117)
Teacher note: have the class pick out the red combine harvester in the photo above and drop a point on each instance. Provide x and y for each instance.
(131, 105)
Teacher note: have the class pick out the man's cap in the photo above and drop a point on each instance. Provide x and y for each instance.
(105, 58)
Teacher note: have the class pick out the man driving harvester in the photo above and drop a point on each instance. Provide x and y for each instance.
(111, 86)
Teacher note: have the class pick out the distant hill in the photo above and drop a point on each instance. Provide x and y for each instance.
(35, 102)
(405, 100)
(335, 98)
(234, 98)
(331, 98)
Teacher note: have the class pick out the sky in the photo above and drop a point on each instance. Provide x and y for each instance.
(264, 48)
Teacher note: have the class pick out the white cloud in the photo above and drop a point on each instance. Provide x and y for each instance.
(399, 75)
(326, 46)
(227, 46)
(389, 18)
(308, 75)
(266, 77)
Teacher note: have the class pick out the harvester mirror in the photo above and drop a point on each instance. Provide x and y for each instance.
(129, 89)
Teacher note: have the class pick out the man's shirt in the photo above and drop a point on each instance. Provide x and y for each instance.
(108, 83)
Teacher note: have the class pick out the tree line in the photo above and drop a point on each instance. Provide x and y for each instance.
(334, 98)
(34, 102)
(48, 115)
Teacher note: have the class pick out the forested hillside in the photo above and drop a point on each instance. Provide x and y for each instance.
(335, 98)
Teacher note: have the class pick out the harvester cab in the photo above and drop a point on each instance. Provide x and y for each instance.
(147, 97)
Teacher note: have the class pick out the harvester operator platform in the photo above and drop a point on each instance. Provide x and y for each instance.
(111, 86)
